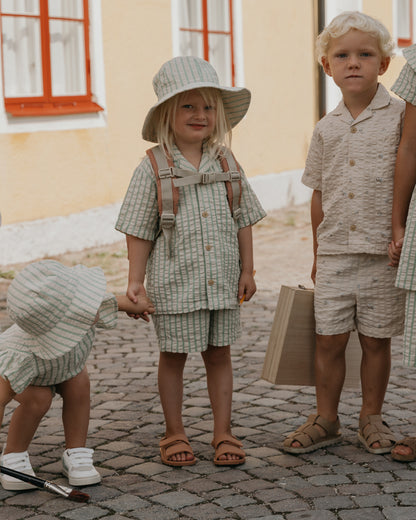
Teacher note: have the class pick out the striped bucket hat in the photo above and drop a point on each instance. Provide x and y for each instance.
(187, 73)
(53, 306)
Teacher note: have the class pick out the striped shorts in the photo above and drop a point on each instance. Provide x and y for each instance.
(409, 337)
(357, 291)
(194, 331)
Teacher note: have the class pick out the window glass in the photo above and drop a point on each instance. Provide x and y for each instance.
(22, 58)
(190, 15)
(218, 15)
(20, 6)
(403, 19)
(67, 58)
(220, 56)
(191, 44)
(65, 8)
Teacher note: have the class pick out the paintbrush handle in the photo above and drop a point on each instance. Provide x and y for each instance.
(23, 476)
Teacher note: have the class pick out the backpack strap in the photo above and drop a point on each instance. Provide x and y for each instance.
(233, 185)
(167, 192)
(169, 179)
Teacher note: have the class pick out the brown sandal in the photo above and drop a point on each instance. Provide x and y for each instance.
(173, 445)
(410, 442)
(374, 429)
(309, 436)
(228, 444)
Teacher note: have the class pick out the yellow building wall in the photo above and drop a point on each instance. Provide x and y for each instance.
(45, 174)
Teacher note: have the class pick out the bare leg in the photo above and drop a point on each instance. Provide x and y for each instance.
(76, 409)
(170, 381)
(220, 389)
(34, 402)
(375, 373)
(329, 376)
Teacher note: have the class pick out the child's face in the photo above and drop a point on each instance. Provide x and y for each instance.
(194, 120)
(354, 61)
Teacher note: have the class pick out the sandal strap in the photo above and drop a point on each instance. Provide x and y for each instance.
(308, 434)
(374, 429)
(410, 442)
(227, 444)
(176, 444)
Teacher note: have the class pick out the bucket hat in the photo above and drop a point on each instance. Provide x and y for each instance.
(53, 307)
(187, 73)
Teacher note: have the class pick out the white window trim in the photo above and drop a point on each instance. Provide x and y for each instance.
(10, 124)
(238, 38)
(399, 50)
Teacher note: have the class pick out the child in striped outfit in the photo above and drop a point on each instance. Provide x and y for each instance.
(56, 310)
(199, 268)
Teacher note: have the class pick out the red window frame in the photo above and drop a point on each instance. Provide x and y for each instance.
(47, 104)
(406, 42)
(206, 32)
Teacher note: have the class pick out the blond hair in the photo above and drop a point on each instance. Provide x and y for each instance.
(348, 20)
(165, 117)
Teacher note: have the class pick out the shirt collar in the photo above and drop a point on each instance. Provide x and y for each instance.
(380, 100)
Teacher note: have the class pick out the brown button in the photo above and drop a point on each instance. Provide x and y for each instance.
(211, 282)
(353, 130)
(208, 247)
(353, 227)
(352, 162)
(351, 195)
(205, 214)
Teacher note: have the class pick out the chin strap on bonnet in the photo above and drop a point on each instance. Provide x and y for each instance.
(169, 179)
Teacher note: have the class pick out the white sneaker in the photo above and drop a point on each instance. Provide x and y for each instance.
(19, 462)
(78, 467)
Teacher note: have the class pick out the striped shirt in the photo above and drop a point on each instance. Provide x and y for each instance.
(204, 269)
(22, 368)
(405, 87)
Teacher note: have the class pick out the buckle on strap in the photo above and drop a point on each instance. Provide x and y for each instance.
(207, 178)
(167, 220)
(164, 173)
(235, 175)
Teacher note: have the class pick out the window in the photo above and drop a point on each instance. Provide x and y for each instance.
(206, 29)
(404, 16)
(45, 57)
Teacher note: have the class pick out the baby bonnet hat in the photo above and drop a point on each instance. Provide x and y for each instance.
(187, 73)
(53, 306)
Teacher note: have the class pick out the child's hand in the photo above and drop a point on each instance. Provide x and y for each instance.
(246, 286)
(137, 304)
(394, 252)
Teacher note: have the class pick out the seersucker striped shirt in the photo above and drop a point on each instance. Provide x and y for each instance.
(204, 269)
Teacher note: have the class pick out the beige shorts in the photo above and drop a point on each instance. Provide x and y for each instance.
(194, 331)
(357, 291)
(409, 336)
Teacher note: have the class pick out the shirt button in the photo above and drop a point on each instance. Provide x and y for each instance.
(352, 162)
(211, 282)
(351, 195)
(208, 247)
(353, 227)
(353, 130)
(205, 214)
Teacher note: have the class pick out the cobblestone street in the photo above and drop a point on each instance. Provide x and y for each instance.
(342, 482)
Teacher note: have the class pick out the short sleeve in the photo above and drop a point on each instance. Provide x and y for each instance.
(139, 212)
(251, 209)
(108, 312)
(405, 84)
(312, 175)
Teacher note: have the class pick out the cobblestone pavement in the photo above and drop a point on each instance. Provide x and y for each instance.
(341, 482)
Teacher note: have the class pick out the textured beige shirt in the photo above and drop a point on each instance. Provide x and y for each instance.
(351, 161)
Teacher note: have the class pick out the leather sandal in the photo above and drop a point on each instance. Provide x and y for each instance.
(310, 437)
(228, 444)
(173, 445)
(374, 429)
(409, 442)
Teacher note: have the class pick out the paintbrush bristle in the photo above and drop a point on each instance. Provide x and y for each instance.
(78, 496)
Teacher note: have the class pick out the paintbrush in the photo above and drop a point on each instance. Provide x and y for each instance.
(63, 491)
